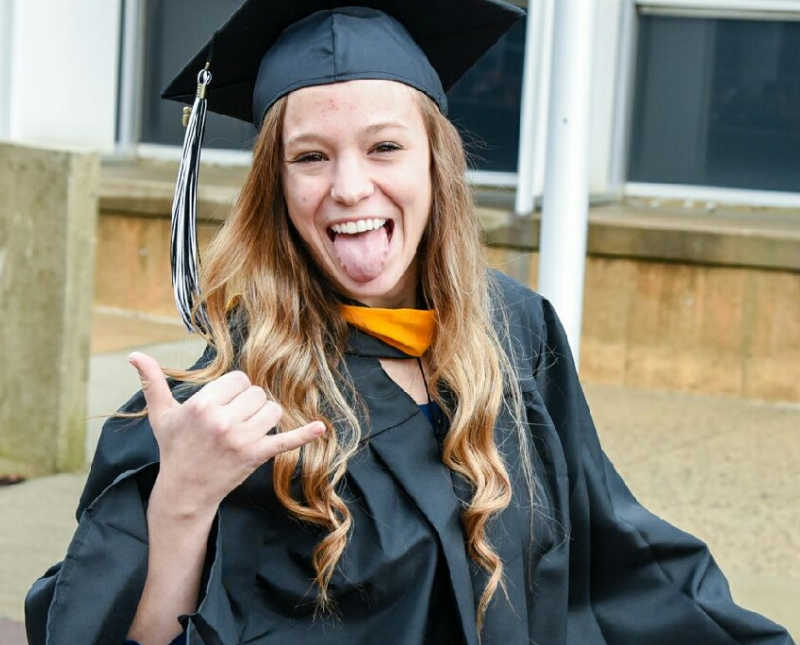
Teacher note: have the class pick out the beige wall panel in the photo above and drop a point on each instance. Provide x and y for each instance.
(133, 263)
(658, 327)
(717, 346)
(663, 325)
(774, 349)
(609, 298)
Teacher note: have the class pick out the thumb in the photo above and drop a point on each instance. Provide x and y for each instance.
(154, 384)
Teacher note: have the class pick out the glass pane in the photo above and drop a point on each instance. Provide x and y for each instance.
(175, 30)
(484, 103)
(717, 103)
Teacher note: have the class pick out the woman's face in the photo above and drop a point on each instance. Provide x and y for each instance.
(356, 179)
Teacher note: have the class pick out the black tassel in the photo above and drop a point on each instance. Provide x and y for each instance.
(184, 254)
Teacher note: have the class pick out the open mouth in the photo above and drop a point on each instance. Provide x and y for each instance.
(361, 247)
(360, 227)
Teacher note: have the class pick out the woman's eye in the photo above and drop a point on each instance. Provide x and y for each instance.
(386, 146)
(309, 157)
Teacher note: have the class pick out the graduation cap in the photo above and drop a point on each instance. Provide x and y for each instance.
(269, 48)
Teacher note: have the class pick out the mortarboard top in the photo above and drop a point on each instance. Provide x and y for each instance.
(428, 44)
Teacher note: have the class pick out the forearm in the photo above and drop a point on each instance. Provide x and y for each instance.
(177, 540)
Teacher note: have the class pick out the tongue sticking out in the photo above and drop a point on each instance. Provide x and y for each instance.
(363, 255)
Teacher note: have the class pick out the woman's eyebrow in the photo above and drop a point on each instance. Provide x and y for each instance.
(305, 137)
(384, 125)
(314, 137)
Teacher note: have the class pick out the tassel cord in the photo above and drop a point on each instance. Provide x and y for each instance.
(184, 255)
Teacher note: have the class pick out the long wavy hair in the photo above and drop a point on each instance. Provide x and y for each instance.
(289, 338)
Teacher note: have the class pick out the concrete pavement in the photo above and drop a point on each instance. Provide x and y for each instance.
(725, 469)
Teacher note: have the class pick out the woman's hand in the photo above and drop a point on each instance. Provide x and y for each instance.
(214, 440)
(209, 445)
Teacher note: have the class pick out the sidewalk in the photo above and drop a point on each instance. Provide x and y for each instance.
(725, 469)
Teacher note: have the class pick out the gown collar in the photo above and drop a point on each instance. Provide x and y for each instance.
(360, 343)
(409, 330)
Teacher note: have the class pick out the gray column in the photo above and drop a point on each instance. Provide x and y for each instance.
(48, 212)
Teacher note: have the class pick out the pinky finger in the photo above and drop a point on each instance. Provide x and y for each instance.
(273, 444)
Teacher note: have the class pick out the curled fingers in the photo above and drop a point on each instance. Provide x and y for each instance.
(248, 403)
(264, 419)
(222, 390)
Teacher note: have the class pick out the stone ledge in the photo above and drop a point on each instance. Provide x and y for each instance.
(761, 238)
(145, 188)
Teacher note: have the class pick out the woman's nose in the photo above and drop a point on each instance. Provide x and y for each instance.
(351, 183)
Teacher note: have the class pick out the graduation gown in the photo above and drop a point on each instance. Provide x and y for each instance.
(598, 569)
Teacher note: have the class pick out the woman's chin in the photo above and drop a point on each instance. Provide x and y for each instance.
(387, 289)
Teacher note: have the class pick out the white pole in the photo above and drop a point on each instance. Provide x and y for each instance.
(626, 70)
(6, 56)
(562, 244)
(531, 74)
(543, 100)
(130, 82)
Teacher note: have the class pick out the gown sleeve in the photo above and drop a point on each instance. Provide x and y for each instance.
(634, 578)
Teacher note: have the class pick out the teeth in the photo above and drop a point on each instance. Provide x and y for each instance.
(359, 226)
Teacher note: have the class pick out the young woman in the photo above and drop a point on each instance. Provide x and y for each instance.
(383, 439)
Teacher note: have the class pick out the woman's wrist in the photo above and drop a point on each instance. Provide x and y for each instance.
(171, 503)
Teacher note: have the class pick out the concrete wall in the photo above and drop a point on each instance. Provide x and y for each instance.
(62, 87)
(47, 223)
(686, 327)
(133, 270)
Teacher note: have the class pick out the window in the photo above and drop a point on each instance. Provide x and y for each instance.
(175, 30)
(717, 103)
(485, 104)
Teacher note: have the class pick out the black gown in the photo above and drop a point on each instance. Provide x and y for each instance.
(599, 568)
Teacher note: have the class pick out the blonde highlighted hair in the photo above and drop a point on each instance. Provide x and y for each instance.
(289, 338)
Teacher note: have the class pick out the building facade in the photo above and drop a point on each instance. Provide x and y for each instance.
(696, 99)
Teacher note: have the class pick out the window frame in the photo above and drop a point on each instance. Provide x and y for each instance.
(724, 9)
